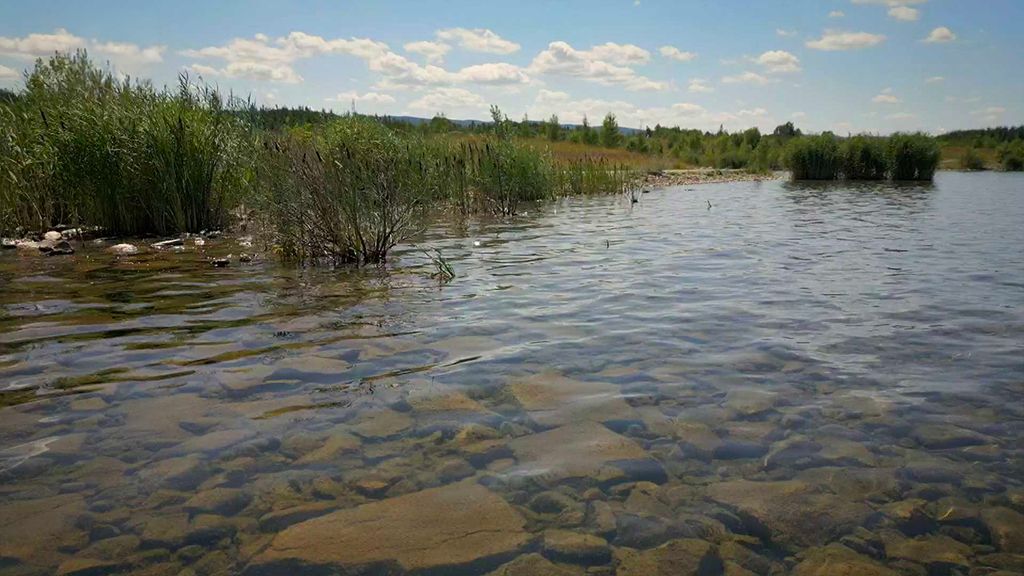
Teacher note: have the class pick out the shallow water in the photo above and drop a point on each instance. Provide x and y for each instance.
(799, 378)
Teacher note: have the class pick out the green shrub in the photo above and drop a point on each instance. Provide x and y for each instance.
(864, 158)
(814, 157)
(1011, 156)
(971, 160)
(913, 156)
(507, 173)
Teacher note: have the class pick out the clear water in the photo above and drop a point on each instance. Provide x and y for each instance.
(799, 377)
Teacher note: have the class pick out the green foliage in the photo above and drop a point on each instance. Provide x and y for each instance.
(552, 129)
(610, 135)
(913, 156)
(357, 189)
(1011, 156)
(814, 158)
(971, 160)
(80, 146)
(864, 158)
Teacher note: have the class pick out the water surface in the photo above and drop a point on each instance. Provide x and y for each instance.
(798, 378)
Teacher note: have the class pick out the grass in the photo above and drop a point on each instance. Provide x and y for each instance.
(81, 146)
(912, 157)
(864, 158)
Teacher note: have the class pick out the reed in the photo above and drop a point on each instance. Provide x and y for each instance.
(814, 157)
(83, 147)
(912, 157)
(864, 158)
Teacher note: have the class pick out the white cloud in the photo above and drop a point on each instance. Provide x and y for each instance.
(368, 97)
(6, 72)
(561, 59)
(834, 40)
(785, 33)
(904, 13)
(450, 101)
(621, 54)
(746, 78)
(630, 115)
(940, 35)
(798, 115)
(122, 55)
(837, 14)
(890, 3)
(700, 86)
(674, 53)
(478, 40)
(886, 97)
(432, 52)
(934, 80)
(779, 62)
(991, 110)
(263, 58)
(900, 116)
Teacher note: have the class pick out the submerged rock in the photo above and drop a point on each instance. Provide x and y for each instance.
(930, 550)
(8, 244)
(791, 513)
(124, 249)
(438, 529)
(62, 248)
(838, 560)
(535, 565)
(584, 450)
(1006, 527)
(684, 557)
(551, 399)
(575, 548)
(220, 262)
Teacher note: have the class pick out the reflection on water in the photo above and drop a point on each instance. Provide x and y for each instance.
(816, 379)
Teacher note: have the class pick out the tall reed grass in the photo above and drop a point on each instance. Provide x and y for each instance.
(913, 156)
(84, 147)
(864, 158)
(814, 158)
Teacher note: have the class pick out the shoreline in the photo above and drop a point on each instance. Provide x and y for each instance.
(693, 176)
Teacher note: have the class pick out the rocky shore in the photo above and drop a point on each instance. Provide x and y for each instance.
(667, 178)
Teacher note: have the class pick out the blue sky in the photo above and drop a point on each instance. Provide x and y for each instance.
(842, 65)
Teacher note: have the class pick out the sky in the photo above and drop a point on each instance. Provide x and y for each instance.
(849, 66)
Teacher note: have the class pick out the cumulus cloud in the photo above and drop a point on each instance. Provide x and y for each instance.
(263, 58)
(368, 97)
(478, 40)
(699, 86)
(904, 13)
(746, 78)
(122, 55)
(673, 53)
(6, 72)
(886, 97)
(785, 33)
(687, 114)
(601, 64)
(457, 101)
(432, 52)
(934, 80)
(779, 62)
(835, 40)
(622, 54)
(940, 35)
(837, 14)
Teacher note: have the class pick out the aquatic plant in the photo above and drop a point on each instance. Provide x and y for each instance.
(814, 157)
(912, 156)
(82, 146)
(444, 271)
(864, 158)
(357, 190)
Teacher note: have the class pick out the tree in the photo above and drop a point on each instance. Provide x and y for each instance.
(786, 130)
(553, 129)
(501, 128)
(610, 135)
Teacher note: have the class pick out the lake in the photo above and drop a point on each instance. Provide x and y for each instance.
(797, 378)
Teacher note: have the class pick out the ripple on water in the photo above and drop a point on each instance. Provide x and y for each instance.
(804, 378)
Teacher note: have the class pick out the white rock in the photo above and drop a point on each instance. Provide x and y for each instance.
(124, 249)
(52, 236)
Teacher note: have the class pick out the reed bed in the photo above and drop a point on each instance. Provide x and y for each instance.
(911, 157)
